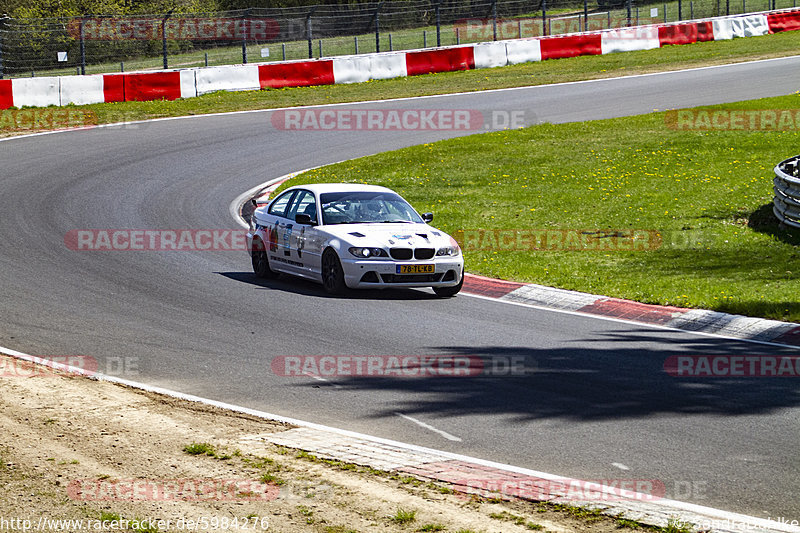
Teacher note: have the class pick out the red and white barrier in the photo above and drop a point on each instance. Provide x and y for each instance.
(36, 92)
(6, 94)
(523, 51)
(356, 69)
(170, 85)
(578, 44)
(447, 59)
(629, 39)
(723, 29)
(789, 21)
(490, 55)
(745, 26)
(390, 65)
(82, 90)
(114, 87)
(750, 26)
(352, 69)
(227, 78)
(685, 33)
(296, 74)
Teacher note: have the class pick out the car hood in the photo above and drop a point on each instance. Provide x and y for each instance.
(389, 235)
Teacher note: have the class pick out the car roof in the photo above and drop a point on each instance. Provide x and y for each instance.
(318, 188)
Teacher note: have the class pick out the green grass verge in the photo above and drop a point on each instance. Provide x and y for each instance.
(545, 72)
(707, 194)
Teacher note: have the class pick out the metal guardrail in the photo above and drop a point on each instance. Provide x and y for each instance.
(786, 203)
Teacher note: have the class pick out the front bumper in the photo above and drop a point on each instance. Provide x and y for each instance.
(381, 274)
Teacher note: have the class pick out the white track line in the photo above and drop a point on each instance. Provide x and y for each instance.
(420, 423)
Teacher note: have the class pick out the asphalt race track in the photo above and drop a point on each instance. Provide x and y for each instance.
(200, 323)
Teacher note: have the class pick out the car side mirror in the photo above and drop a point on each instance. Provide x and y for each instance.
(302, 218)
(427, 217)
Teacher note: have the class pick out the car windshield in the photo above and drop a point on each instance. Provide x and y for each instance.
(366, 207)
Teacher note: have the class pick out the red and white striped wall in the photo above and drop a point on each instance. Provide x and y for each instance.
(173, 84)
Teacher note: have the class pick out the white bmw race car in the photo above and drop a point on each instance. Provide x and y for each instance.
(352, 236)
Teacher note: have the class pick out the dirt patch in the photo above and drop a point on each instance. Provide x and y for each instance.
(83, 450)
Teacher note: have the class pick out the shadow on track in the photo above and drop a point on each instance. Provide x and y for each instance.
(305, 287)
(609, 377)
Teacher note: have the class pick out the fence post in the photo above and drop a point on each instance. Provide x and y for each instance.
(3, 23)
(585, 15)
(244, 35)
(438, 23)
(377, 27)
(727, 7)
(628, 3)
(494, 20)
(163, 36)
(308, 32)
(680, 9)
(544, 17)
(83, 46)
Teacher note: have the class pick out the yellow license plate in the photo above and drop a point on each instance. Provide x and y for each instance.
(415, 269)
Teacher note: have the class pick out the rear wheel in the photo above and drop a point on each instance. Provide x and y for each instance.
(447, 292)
(261, 261)
(332, 273)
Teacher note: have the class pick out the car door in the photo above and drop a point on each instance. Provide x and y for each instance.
(297, 238)
(274, 230)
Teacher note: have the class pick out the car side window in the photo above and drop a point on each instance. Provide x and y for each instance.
(278, 207)
(304, 203)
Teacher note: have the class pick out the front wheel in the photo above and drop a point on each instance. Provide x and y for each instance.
(261, 261)
(447, 292)
(332, 273)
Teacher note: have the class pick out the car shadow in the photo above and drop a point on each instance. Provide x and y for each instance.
(612, 375)
(296, 285)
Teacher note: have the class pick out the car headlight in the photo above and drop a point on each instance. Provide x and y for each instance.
(451, 251)
(366, 253)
